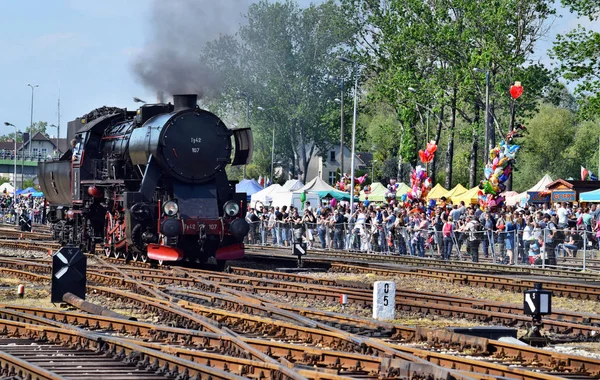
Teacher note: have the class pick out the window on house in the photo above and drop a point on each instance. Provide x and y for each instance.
(331, 178)
(44, 152)
(35, 152)
(332, 155)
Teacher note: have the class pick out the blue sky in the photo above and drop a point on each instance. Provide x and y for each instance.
(86, 48)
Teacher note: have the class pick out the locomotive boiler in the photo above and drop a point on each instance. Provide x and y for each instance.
(150, 184)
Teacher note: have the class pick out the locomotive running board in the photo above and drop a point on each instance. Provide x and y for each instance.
(163, 253)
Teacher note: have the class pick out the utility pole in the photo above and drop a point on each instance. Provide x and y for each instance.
(342, 127)
(58, 125)
(33, 86)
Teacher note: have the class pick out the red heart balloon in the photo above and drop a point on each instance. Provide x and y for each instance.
(516, 91)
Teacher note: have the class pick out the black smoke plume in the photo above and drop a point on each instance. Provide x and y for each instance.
(178, 30)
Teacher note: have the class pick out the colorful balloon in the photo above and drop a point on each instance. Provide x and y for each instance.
(516, 90)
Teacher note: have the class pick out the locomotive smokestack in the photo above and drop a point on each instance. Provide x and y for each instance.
(182, 102)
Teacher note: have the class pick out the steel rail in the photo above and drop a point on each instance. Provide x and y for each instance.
(137, 355)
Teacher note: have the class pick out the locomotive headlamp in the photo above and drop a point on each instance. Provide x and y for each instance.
(231, 208)
(171, 208)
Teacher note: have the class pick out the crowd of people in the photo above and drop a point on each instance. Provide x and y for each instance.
(25, 209)
(513, 235)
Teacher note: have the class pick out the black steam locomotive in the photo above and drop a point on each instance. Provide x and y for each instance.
(150, 184)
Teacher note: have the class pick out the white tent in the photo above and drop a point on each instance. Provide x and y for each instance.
(540, 186)
(542, 183)
(265, 196)
(292, 184)
(316, 184)
(6, 187)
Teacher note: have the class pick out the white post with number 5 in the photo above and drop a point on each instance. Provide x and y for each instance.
(384, 300)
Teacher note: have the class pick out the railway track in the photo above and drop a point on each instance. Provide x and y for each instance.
(250, 281)
(489, 357)
(199, 309)
(332, 256)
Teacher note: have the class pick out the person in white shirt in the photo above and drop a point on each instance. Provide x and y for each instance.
(561, 213)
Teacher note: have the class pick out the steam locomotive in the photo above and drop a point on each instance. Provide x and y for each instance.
(150, 184)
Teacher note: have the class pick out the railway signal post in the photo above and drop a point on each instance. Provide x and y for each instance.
(536, 303)
(299, 249)
(68, 273)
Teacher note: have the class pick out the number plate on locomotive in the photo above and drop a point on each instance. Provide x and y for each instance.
(192, 226)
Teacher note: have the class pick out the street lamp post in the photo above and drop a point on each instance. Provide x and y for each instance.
(346, 60)
(33, 86)
(341, 100)
(15, 163)
(57, 132)
(239, 93)
(490, 138)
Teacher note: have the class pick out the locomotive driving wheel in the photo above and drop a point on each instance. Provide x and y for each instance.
(109, 242)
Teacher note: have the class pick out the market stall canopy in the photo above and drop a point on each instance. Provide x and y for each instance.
(248, 186)
(539, 192)
(374, 192)
(507, 194)
(469, 197)
(513, 200)
(542, 183)
(316, 184)
(402, 189)
(457, 190)
(590, 196)
(6, 188)
(323, 190)
(265, 196)
(437, 192)
(292, 184)
(378, 192)
(37, 194)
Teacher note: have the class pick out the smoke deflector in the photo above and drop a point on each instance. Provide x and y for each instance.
(244, 146)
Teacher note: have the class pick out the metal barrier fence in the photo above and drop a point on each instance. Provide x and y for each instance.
(535, 246)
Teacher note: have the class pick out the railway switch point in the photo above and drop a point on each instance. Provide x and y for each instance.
(384, 300)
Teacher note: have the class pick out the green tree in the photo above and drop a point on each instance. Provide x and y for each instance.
(39, 126)
(434, 46)
(282, 59)
(584, 149)
(577, 53)
(546, 147)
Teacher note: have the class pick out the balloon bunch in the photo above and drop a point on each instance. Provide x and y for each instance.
(420, 184)
(502, 159)
(392, 188)
(344, 183)
(428, 154)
